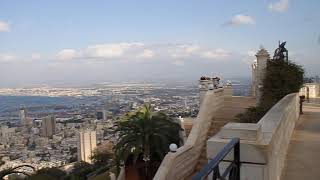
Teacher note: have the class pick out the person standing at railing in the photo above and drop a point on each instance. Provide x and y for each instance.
(302, 99)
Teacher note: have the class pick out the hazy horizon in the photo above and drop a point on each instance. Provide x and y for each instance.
(169, 81)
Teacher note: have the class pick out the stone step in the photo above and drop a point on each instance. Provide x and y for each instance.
(187, 133)
(224, 115)
(203, 155)
(210, 136)
(200, 165)
(218, 123)
(216, 128)
(191, 176)
(203, 162)
(218, 119)
(213, 132)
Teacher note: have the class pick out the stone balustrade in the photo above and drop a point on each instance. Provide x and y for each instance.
(263, 145)
(180, 164)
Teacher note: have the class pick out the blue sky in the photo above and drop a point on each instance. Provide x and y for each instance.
(91, 41)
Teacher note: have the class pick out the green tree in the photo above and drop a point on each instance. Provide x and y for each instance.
(282, 78)
(145, 135)
(81, 170)
(48, 174)
(15, 171)
(251, 115)
(103, 155)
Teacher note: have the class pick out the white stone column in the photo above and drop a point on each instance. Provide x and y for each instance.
(182, 133)
(253, 80)
(258, 72)
(227, 90)
(204, 86)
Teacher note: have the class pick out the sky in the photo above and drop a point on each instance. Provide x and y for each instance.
(86, 42)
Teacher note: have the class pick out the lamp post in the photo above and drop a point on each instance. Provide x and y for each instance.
(173, 147)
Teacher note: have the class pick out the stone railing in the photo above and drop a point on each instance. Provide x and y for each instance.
(181, 163)
(263, 145)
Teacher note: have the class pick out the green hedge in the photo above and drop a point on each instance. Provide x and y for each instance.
(281, 78)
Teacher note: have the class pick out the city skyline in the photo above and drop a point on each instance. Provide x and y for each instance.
(86, 42)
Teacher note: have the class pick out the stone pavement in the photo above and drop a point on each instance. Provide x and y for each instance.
(303, 158)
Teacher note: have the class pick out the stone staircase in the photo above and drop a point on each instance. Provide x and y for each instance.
(187, 127)
(218, 123)
(226, 114)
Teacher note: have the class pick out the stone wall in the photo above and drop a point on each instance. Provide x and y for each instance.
(263, 145)
(314, 90)
(180, 164)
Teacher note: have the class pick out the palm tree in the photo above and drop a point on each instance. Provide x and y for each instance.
(15, 170)
(145, 135)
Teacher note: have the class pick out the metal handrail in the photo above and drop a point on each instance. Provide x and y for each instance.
(233, 170)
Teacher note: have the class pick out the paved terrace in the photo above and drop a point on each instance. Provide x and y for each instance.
(303, 159)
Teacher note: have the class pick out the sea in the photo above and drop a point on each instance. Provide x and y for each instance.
(9, 105)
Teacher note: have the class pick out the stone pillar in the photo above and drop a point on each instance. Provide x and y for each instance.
(258, 72)
(182, 133)
(253, 79)
(227, 91)
(204, 86)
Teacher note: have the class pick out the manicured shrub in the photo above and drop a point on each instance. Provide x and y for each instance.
(282, 78)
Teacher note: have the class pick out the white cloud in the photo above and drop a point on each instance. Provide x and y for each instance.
(67, 54)
(241, 19)
(146, 54)
(7, 57)
(138, 52)
(191, 49)
(185, 51)
(4, 26)
(35, 56)
(280, 6)
(216, 54)
(12, 58)
(182, 50)
(122, 51)
(111, 50)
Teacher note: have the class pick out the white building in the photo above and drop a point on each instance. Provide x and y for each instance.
(6, 133)
(23, 115)
(48, 126)
(87, 142)
(310, 90)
